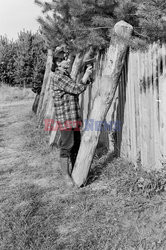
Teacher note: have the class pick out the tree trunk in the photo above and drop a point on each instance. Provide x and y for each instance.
(107, 81)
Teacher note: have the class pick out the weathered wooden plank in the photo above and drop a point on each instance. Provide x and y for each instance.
(86, 104)
(45, 80)
(143, 108)
(136, 91)
(146, 114)
(112, 67)
(155, 107)
(164, 97)
(139, 87)
(120, 115)
(125, 147)
(46, 99)
(162, 101)
(76, 66)
(133, 108)
(151, 157)
(131, 113)
(111, 119)
(50, 105)
(129, 108)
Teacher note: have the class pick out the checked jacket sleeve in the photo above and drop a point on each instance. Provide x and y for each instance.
(65, 83)
(65, 95)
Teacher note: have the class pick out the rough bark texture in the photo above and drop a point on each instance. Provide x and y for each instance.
(108, 77)
(46, 100)
(44, 86)
(75, 67)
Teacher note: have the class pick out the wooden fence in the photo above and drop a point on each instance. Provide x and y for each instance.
(140, 108)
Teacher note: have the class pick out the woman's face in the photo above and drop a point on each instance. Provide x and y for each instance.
(64, 64)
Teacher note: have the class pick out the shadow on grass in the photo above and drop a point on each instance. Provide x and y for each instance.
(114, 213)
(30, 222)
(98, 166)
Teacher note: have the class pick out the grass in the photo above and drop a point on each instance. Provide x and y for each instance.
(121, 208)
(11, 94)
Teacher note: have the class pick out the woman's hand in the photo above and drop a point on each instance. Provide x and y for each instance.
(89, 70)
(87, 74)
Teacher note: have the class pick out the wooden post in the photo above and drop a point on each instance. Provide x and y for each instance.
(155, 109)
(109, 78)
(46, 98)
(162, 102)
(75, 67)
(45, 81)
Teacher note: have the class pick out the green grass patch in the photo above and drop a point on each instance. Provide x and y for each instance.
(120, 208)
(9, 94)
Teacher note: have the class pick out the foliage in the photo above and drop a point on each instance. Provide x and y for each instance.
(7, 60)
(79, 24)
(76, 23)
(23, 61)
(152, 19)
(88, 23)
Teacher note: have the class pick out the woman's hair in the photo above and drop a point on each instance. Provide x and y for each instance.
(57, 58)
(54, 64)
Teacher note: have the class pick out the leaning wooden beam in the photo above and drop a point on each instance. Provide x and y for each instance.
(76, 66)
(107, 79)
(45, 81)
(46, 99)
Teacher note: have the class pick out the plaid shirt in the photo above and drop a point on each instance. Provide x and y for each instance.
(65, 94)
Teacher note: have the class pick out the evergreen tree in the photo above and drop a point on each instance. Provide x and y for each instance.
(152, 19)
(23, 62)
(77, 23)
(83, 23)
(7, 60)
(39, 58)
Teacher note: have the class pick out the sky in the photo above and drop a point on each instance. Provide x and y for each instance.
(16, 15)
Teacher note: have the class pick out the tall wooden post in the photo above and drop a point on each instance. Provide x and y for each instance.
(107, 78)
(45, 81)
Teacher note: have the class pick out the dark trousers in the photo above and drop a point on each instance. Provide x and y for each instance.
(69, 144)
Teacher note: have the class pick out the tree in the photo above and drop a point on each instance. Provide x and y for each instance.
(7, 60)
(23, 62)
(39, 59)
(77, 23)
(152, 19)
(84, 23)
